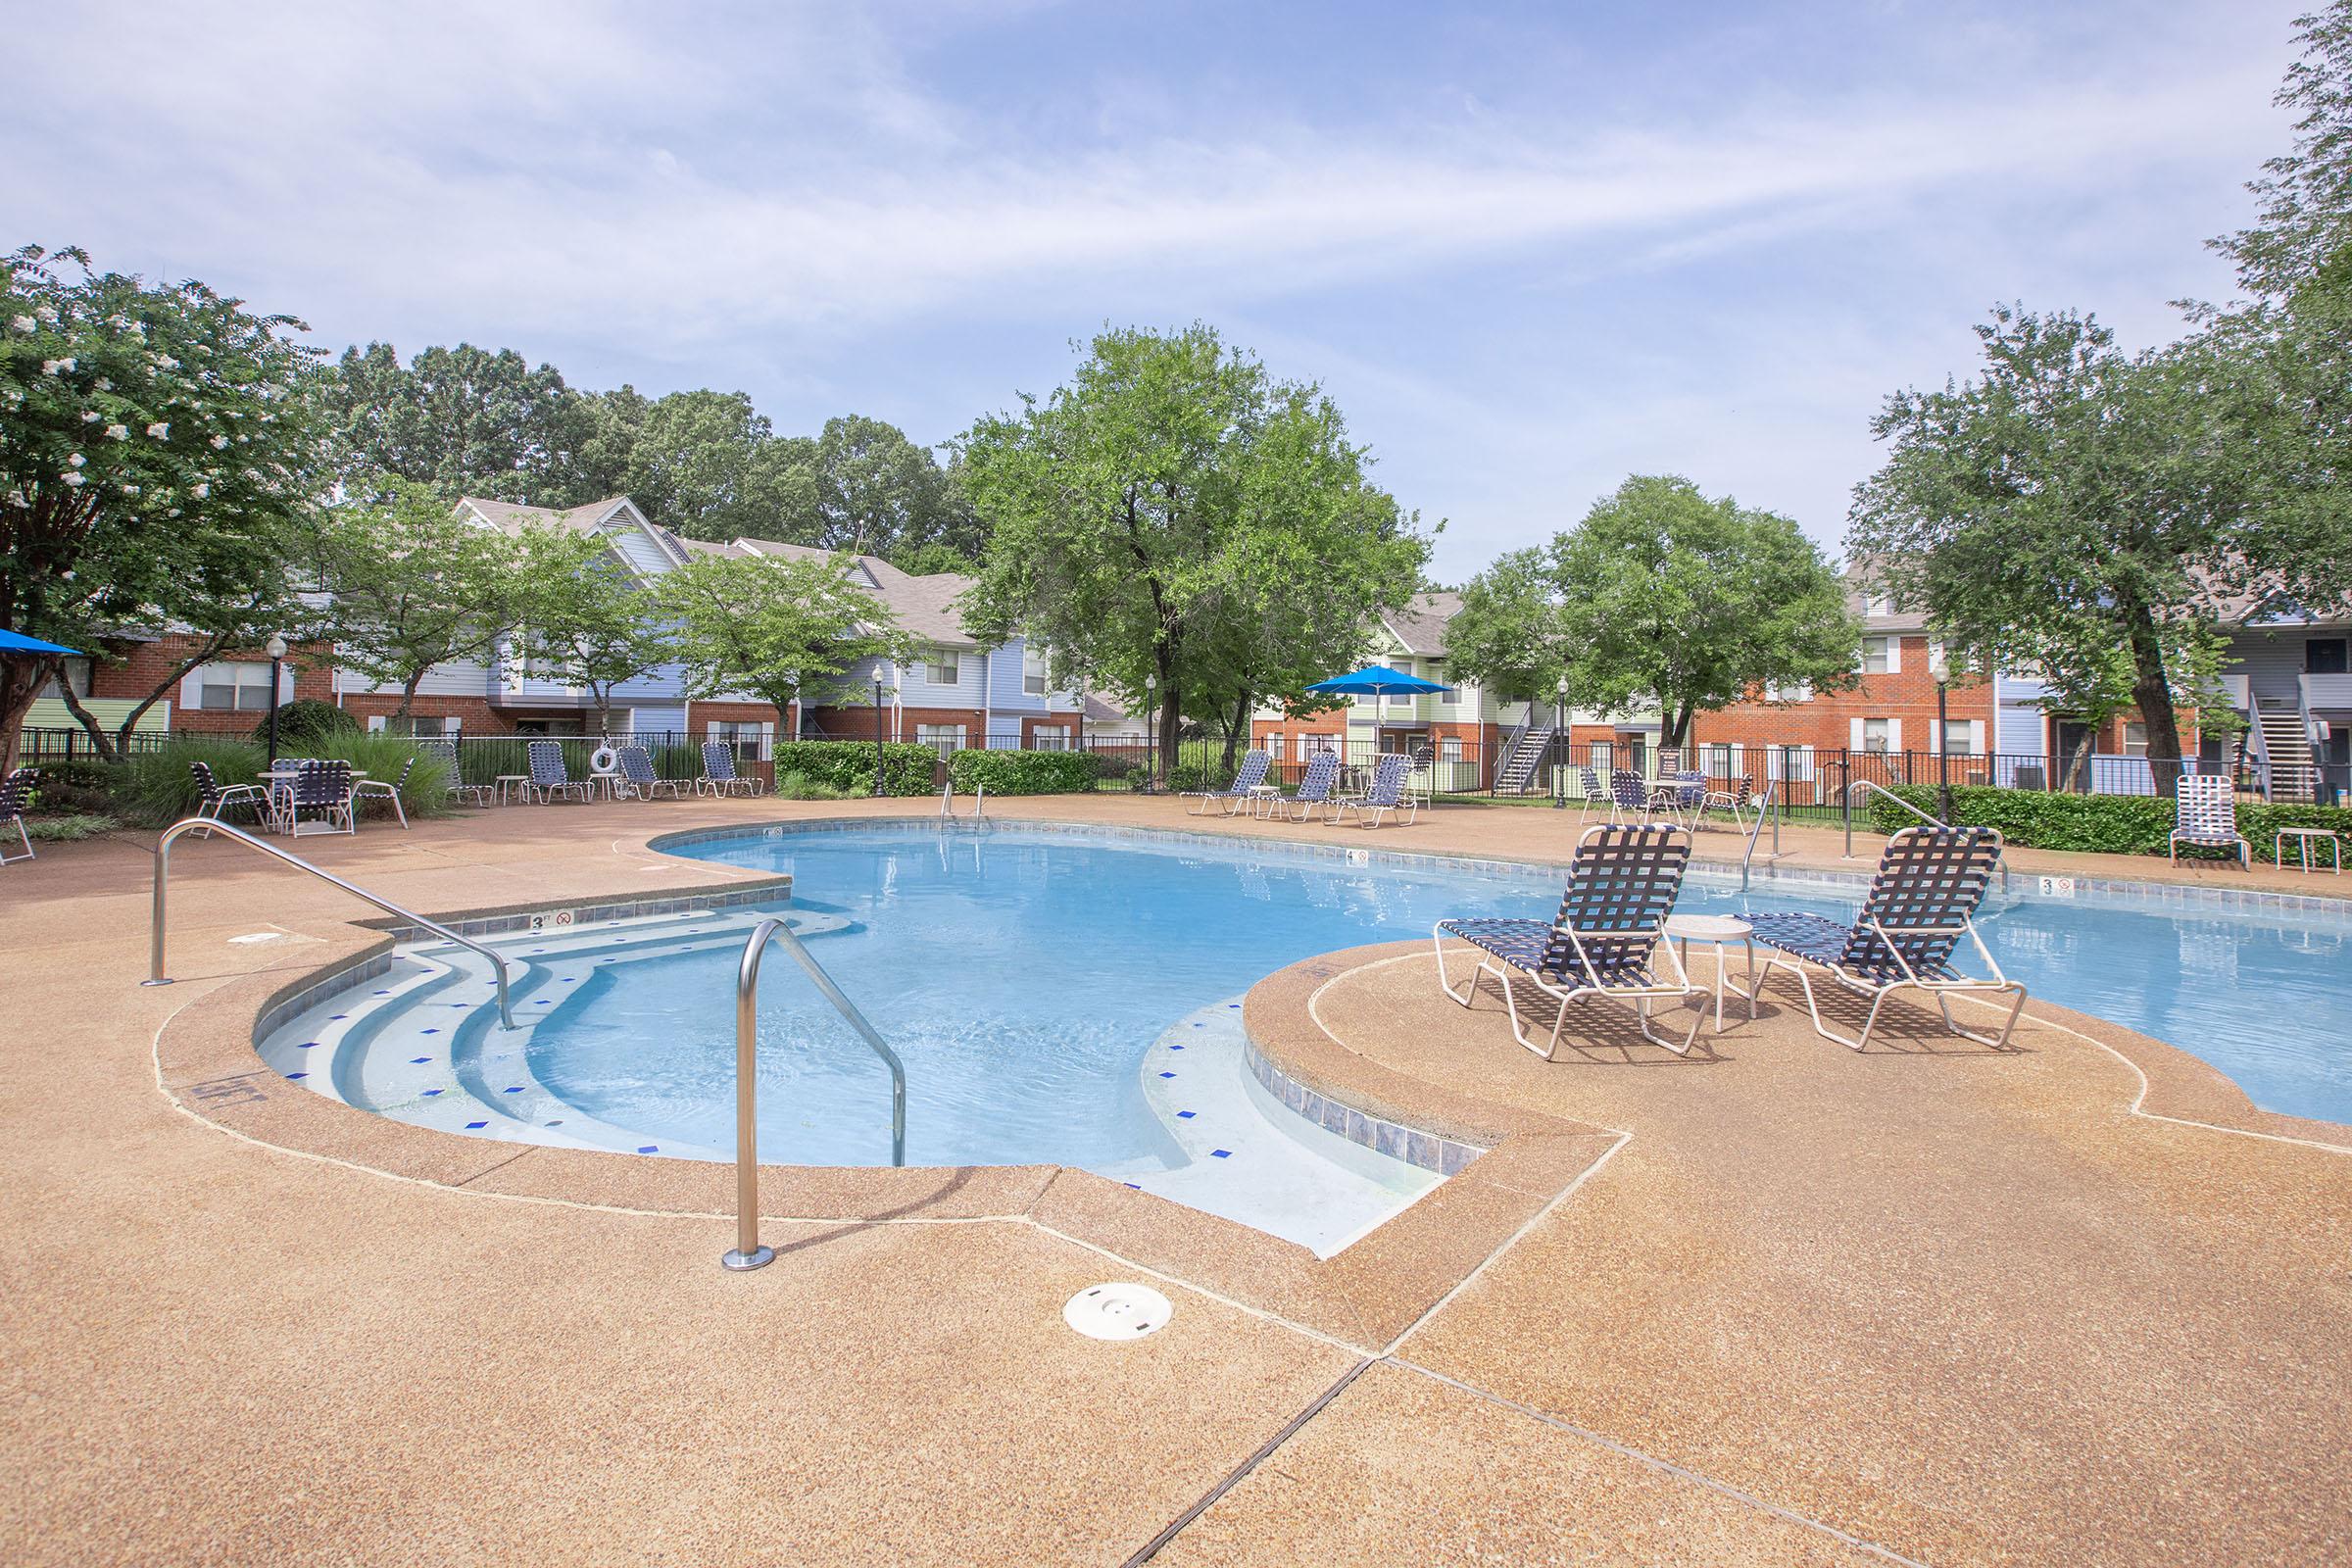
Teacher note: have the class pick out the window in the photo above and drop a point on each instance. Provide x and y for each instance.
(1959, 738)
(743, 737)
(1051, 738)
(76, 679)
(1033, 685)
(2326, 656)
(1274, 746)
(946, 669)
(1800, 691)
(1875, 735)
(2135, 739)
(1450, 748)
(1879, 655)
(234, 688)
(1788, 763)
(944, 739)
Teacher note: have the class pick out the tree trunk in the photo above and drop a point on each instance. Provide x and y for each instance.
(1676, 725)
(408, 698)
(1171, 729)
(1235, 731)
(20, 681)
(2152, 691)
(109, 748)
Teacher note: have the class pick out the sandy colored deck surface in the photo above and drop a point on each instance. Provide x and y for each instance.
(1794, 1306)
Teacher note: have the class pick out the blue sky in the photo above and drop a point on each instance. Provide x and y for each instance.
(1529, 249)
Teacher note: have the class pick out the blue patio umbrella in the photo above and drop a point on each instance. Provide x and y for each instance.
(1376, 681)
(17, 643)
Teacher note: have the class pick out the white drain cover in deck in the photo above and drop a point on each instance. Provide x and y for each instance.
(1116, 1311)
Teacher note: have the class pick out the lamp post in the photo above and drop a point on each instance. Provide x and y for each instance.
(1150, 734)
(1559, 726)
(878, 734)
(1940, 670)
(277, 650)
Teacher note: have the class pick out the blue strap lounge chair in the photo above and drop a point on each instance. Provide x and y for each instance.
(719, 772)
(16, 793)
(216, 800)
(1629, 797)
(1390, 791)
(637, 778)
(1621, 887)
(453, 780)
(1314, 791)
(1242, 791)
(1921, 904)
(550, 777)
(390, 792)
(2205, 815)
(1596, 795)
(321, 793)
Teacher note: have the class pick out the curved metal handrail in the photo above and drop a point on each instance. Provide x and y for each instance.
(1755, 830)
(2001, 861)
(163, 873)
(747, 1253)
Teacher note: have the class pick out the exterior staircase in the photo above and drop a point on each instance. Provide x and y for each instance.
(2293, 776)
(1523, 754)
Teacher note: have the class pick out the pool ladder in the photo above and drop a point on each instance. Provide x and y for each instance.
(747, 1253)
(946, 803)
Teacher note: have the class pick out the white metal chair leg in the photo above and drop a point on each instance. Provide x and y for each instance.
(24, 839)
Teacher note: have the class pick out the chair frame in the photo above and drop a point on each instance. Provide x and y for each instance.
(216, 798)
(1237, 794)
(1891, 878)
(339, 808)
(390, 792)
(447, 751)
(631, 788)
(1734, 800)
(549, 789)
(2216, 800)
(1601, 859)
(712, 784)
(1395, 766)
(14, 790)
(1323, 765)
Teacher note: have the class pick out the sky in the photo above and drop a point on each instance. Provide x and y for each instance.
(1527, 249)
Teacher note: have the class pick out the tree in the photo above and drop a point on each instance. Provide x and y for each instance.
(156, 441)
(2075, 509)
(410, 584)
(706, 464)
(584, 614)
(878, 493)
(1662, 597)
(462, 420)
(773, 625)
(1170, 515)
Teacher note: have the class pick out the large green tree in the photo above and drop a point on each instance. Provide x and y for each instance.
(1165, 517)
(706, 464)
(2074, 509)
(875, 492)
(773, 625)
(586, 615)
(1661, 598)
(156, 443)
(464, 420)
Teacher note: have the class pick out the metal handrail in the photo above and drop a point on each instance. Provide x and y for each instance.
(747, 1252)
(946, 803)
(2001, 861)
(163, 873)
(1755, 830)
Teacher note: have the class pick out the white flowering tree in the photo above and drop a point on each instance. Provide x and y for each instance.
(157, 445)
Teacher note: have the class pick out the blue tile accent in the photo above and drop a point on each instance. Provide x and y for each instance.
(648, 1149)
(1187, 1115)
(430, 1092)
(308, 1045)
(428, 1031)
(1167, 1075)
(298, 1075)
(418, 1061)
(513, 1088)
(1175, 1048)
(472, 1125)
(1220, 1154)
(557, 1122)
(338, 1017)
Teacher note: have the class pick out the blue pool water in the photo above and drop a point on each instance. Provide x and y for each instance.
(1022, 976)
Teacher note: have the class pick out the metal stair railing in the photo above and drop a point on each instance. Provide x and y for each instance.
(162, 875)
(1932, 821)
(747, 1253)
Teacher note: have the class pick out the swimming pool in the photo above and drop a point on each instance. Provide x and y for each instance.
(1041, 986)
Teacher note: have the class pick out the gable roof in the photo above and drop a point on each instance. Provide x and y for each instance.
(925, 606)
(609, 516)
(1420, 625)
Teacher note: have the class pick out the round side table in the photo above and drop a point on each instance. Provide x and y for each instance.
(1718, 931)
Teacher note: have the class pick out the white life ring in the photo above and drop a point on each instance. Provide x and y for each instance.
(604, 759)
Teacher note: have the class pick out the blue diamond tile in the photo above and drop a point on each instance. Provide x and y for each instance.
(383, 993)
(1175, 1048)
(1186, 1115)
(1233, 1003)
(513, 1088)
(557, 1122)
(429, 1093)
(648, 1149)
(1199, 1025)
(474, 1124)
(1132, 1184)
(418, 1061)
(1167, 1075)
(337, 1017)
(298, 1075)
(308, 1045)
(1220, 1154)
(429, 1031)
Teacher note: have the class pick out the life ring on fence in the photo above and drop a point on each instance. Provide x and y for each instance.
(604, 759)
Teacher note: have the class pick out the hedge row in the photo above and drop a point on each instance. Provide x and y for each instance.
(1024, 773)
(848, 765)
(2093, 824)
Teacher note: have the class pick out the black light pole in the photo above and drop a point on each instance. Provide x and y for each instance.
(1940, 671)
(1150, 734)
(1559, 727)
(879, 733)
(276, 648)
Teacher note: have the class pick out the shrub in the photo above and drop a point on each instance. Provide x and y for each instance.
(77, 786)
(801, 787)
(69, 829)
(848, 766)
(2093, 824)
(156, 788)
(306, 723)
(1024, 773)
(382, 756)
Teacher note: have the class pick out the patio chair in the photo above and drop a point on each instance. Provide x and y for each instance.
(1734, 800)
(1390, 791)
(1921, 904)
(216, 800)
(550, 777)
(323, 790)
(16, 793)
(1315, 788)
(2205, 814)
(719, 772)
(1629, 797)
(1242, 791)
(453, 780)
(390, 792)
(1596, 799)
(637, 779)
(1611, 925)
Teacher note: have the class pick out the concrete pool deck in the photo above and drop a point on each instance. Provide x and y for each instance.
(1791, 1305)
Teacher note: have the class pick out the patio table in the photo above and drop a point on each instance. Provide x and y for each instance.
(2304, 837)
(506, 784)
(1718, 931)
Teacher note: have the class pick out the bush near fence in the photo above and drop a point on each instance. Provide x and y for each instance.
(155, 789)
(1024, 773)
(2093, 824)
(848, 765)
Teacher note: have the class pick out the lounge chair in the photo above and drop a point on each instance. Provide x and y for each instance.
(16, 793)
(216, 800)
(637, 780)
(1736, 800)
(446, 752)
(2205, 814)
(719, 772)
(1314, 790)
(1596, 797)
(390, 792)
(1629, 797)
(1242, 791)
(1921, 904)
(321, 789)
(1390, 791)
(1621, 887)
(550, 777)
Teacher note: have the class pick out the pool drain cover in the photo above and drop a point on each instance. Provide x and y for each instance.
(1117, 1312)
